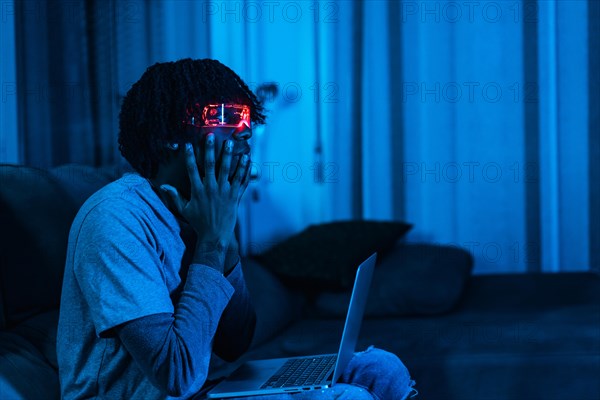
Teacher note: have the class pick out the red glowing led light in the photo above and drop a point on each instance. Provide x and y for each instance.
(218, 115)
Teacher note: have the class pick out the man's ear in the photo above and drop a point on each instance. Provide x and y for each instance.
(171, 152)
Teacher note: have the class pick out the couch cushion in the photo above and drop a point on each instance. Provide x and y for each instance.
(40, 331)
(36, 211)
(81, 181)
(35, 217)
(411, 279)
(326, 256)
(28, 366)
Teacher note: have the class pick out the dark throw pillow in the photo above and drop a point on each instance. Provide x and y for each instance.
(326, 256)
(411, 279)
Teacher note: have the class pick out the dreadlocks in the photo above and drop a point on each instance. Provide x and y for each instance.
(153, 109)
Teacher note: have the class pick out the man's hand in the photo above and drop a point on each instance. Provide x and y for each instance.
(212, 208)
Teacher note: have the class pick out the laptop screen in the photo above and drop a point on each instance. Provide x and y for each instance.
(354, 318)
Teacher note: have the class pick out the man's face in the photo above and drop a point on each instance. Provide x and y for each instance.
(239, 137)
(226, 122)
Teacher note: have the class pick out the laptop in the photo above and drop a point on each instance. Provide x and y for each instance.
(299, 374)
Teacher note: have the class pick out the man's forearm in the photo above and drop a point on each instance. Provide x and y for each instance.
(217, 255)
(213, 255)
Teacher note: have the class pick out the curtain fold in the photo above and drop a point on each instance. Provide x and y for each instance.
(100, 23)
(9, 139)
(593, 153)
(53, 87)
(532, 141)
(564, 105)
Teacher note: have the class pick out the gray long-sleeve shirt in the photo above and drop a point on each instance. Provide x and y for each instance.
(129, 258)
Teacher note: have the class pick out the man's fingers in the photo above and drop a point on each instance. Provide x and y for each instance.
(241, 174)
(209, 161)
(199, 161)
(192, 168)
(245, 182)
(246, 178)
(225, 162)
(174, 195)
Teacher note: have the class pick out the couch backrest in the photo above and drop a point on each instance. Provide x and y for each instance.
(37, 208)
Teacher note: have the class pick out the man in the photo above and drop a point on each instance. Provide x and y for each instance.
(153, 283)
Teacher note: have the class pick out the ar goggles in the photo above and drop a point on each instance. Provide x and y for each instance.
(224, 115)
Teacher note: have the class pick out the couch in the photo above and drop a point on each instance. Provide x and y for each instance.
(513, 336)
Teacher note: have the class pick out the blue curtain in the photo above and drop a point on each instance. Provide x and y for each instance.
(9, 150)
(476, 121)
(593, 153)
(54, 100)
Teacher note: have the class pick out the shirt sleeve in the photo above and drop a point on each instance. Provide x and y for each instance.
(238, 321)
(174, 350)
(118, 266)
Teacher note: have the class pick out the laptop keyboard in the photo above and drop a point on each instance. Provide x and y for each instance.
(301, 372)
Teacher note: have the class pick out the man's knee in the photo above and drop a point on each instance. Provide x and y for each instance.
(381, 372)
(381, 364)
